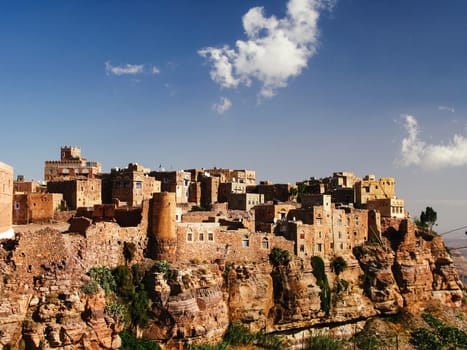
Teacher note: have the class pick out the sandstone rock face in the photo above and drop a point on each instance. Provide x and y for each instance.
(42, 304)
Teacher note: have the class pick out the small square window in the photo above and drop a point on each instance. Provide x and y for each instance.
(201, 236)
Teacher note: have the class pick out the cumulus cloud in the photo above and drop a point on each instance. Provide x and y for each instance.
(446, 108)
(223, 105)
(417, 152)
(124, 69)
(274, 51)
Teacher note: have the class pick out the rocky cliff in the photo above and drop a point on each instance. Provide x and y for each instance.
(43, 306)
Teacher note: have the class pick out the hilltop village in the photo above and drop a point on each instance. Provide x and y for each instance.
(206, 213)
(203, 249)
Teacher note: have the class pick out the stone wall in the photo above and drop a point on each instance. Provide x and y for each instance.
(210, 241)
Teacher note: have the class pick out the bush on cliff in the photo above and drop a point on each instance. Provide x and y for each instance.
(338, 264)
(131, 343)
(103, 276)
(323, 342)
(321, 279)
(279, 257)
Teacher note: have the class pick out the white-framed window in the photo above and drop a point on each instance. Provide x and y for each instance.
(245, 241)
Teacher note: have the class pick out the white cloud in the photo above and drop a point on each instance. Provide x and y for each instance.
(155, 70)
(446, 108)
(416, 152)
(223, 105)
(125, 69)
(275, 49)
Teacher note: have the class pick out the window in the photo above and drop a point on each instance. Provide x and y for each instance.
(189, 237)
(340, 235)
(118, 184)
(16, 205)
(319, 247)
(138, 184)
(245, 241)
(302, 248)
(201, 236)
(126, 184)
(331, 245)
(318, 221)
(319, 234)
(210, 236)
(342, 245)
(302, 235)
(282, 215)
(265, 243)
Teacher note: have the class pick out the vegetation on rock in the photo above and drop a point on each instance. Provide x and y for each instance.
(279, 257)
(321, 279)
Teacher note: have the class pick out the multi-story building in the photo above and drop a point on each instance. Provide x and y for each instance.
(245, 201)
(6, 200)
(77, 193)
(70, 166)
(174, 181)
(35, 207)
(132, 184)
(388, 207)
(247, 177)
(369, 189)
(272, 192)
(326, 230)
(22, 186)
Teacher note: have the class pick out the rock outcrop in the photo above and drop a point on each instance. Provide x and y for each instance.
(42, 303)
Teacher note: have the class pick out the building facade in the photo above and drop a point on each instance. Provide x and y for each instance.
(6, 200)
(70, 166)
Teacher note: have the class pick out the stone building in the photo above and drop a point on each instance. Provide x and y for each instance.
(387, 207)
(70, 166)
(369, 188)
(174, 181)
(209, 190)
(132, 184)
(267, 215)
(272, 192)
(78, 193)
(326, 230)
(227, 188)
(6, 199)
(245, 201)
(247, 177)
(20, 185)
(35, 207)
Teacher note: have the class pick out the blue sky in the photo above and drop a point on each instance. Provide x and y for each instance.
(302, 88)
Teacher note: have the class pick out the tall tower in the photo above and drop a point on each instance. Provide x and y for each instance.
(164, 227)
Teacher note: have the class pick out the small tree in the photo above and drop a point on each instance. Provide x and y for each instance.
(338, 265)
(428, 217)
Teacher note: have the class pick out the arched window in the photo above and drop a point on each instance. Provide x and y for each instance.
(265, 243)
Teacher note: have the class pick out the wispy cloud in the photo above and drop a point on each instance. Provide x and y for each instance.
(222, 106)
(155, 70)
(124, 69)
(446, 108)
(416, 152)
(274, 51)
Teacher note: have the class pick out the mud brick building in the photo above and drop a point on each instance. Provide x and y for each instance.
(35, 207)
(6, 199)
(77, 193)
(70, 166)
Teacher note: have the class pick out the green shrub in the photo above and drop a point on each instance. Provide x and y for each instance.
(139, 308)
(321, 279)
(323, 342)
(162, 266)
(129, 250)
(90, 288)
(238, 334)
(116, 311)
(104, 277)
(279, 257)
(131, 343)
(338, 264)
(124, 281)
(425, 339)
(219, 346)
